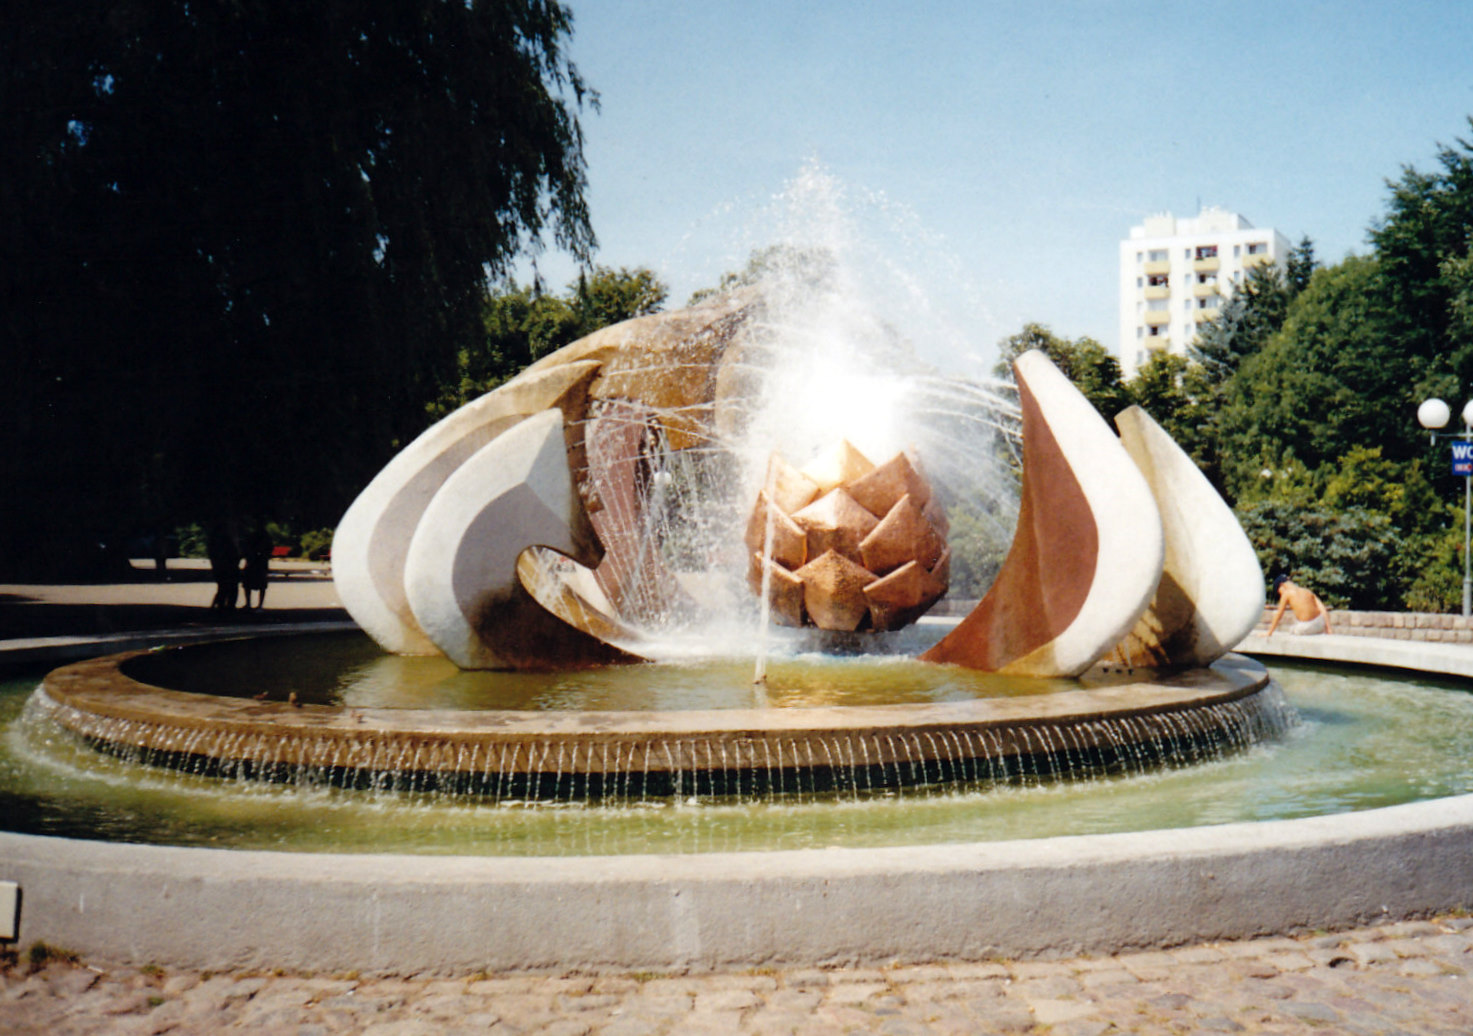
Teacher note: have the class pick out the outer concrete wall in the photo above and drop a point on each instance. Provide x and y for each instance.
(210, 908)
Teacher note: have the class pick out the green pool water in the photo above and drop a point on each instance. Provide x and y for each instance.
(1366, 739)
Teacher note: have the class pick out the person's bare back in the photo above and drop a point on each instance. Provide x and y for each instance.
(1310, 614)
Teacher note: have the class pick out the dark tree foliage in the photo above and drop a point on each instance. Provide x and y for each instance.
(246, 240)
(1428, 224)
(1331, 378)
(1347, 557)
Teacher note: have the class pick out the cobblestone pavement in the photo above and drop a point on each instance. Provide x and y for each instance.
(1411, 977)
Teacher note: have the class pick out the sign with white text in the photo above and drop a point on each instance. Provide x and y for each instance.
(1462, 457)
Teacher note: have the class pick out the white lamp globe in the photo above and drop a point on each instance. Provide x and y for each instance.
(1434, 413)
(1468, 412)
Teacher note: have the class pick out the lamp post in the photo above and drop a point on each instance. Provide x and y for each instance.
(1432, 415)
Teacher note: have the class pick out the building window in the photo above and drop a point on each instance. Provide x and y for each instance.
(1257, 248)
(1137, 282)
(1237, 251)
(1157, 255)
(1206, 251)
(1158, 280)
(1157, 305)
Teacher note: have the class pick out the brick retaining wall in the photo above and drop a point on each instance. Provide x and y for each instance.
(1394, 625)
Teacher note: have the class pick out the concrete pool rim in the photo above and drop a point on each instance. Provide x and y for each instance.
(1088, 894)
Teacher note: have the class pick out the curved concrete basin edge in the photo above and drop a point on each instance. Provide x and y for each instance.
(218, 909)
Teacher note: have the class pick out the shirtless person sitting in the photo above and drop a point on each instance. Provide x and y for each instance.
(1310, 614)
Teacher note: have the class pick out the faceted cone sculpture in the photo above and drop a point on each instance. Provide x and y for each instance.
(844, 545)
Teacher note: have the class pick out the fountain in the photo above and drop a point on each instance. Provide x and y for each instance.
(612, 511)
(531, 530)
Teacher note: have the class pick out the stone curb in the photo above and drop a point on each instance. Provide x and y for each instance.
(221, 909)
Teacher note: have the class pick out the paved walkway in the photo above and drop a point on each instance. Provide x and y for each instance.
(1410, 977)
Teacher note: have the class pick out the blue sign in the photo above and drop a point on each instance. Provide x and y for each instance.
(1462, 457)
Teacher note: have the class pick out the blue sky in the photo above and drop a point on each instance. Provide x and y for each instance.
(1018, 141)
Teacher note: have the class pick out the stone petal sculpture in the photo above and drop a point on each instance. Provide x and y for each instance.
(668, 364)
(1211, 591)
(371, 541)
(460, 573)
(1088, 551)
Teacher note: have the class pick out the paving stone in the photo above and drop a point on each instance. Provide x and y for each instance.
(1052, 987)
(854, 992)
(1081, 1027)
(1052, 1012)
(1418, 966)
(700, 1023)
(726, 1000)
(1321, 1014)
(981, 969)
(1410, 929)
(1198, 955)
(1372, 952)
(792, 1000)
(1106, 979)
(1288, 961)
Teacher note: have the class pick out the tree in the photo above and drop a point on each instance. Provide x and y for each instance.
(609, 296)
(1178, 393)
(1251, 314)
(1346, 556)
(1428, 223)
(245, 242)
(1331, 378)
(1092, 368)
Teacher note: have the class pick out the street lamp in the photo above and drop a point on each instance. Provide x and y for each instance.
(1432, 415)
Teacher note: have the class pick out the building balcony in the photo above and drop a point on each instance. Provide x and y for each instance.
(1157, 318)
(1161, 291)
(1158, 343)
(1259, 259)
(1206, 265)
(1202, 291)
(1159, 266)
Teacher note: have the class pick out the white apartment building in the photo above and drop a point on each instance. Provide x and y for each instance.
(1175, 274)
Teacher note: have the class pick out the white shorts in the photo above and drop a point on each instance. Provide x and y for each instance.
(1307, 629)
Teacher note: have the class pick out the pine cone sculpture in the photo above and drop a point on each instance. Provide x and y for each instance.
(851, 546)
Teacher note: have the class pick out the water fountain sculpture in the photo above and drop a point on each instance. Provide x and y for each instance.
(516, 534)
